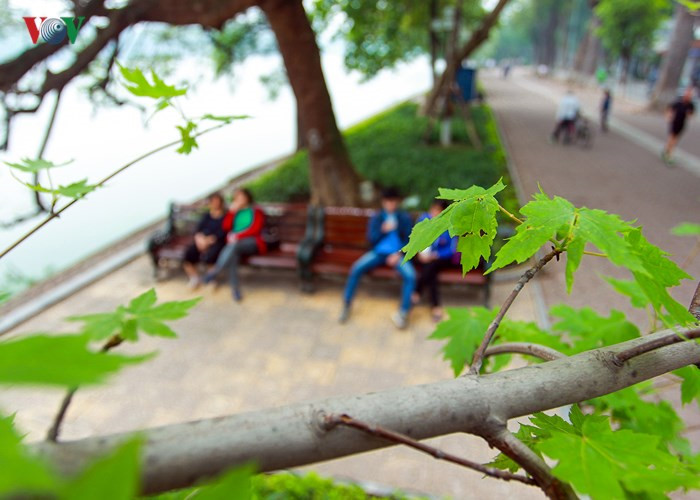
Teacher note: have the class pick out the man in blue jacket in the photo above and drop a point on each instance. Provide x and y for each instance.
(387, 233)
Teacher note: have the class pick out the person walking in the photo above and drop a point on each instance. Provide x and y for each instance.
(387, 234)
(243, 224)
(605, 106)
(677, 114)
(567, 112)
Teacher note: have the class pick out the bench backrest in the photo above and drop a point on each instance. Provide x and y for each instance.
(284, 222)
(346, 227)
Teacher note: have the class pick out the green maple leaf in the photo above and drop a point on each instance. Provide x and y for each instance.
(545, 217)
(606, 464)
(585, 329)
(631, 289)
(690, 388)
(138, 85)
(472, 217)
(33, 166)
(567, 228)
(112, 477)
(464, 330)
(474, 221)
(76, 189)
(660, 274)
(142, 314)
(631, 411)
(57, 360)
(686, 229)
(234, 484)
(426, 232)
(21, 472)
(224, 118)
(603, 230)
(189, 140)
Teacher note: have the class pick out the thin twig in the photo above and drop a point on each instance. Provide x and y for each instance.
(537, 350)
(694, 307)
(518, 451)
(527, 276)
(332, 421)
(654, 344)
(55, 429)
(510, 215)
(55, 214)
(594, 254)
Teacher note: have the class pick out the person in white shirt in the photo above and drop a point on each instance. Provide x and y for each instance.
(568, 110)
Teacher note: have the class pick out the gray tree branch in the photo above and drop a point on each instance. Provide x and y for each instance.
(179, 455)
(539, 351)
(518, 451)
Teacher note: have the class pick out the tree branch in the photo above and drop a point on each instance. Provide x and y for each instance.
(332, 421)
(527, 276)
(55, 429)
(56, 214)
(518, 451)
(654, 344)
(537, 350)
(179, 455)
(12, 71)
(695, 303)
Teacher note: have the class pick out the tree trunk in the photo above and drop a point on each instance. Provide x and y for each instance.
(433, 38)
(674, 59)
(479, 36)
(593, 50)
(302, 143)
(333, 180)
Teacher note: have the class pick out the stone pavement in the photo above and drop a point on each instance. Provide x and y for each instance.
(277, 347)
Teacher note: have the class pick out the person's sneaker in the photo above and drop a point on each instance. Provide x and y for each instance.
(194, 283)
(208, 278)
(236, 293)
(344, 314)
(400, 319)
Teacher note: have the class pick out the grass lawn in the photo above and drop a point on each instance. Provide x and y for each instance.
(388, 150)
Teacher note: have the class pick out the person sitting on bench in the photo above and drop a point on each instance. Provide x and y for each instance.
(387, 233)
(209, 239)
(244, 224)
(439, 255)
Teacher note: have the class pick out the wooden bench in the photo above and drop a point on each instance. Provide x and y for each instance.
(287, 227)
(341, 239)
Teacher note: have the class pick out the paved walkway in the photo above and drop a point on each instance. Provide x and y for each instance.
(616, 174)
(278, 347)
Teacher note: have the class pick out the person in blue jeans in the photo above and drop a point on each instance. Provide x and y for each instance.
(387, 233)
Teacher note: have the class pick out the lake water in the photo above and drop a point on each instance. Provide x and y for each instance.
(99, 141)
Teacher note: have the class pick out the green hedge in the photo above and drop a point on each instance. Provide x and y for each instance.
(388, 149)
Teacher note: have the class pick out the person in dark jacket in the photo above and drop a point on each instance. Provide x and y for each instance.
(677, 114)
(243, 224)
(440, 254)
(387, 233)
(209, 239)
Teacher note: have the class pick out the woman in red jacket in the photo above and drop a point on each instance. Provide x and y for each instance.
(243, 224)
